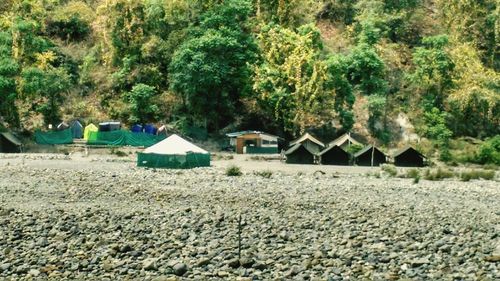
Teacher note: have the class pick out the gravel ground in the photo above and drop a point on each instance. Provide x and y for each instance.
(104, 219)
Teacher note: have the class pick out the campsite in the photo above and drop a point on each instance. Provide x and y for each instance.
(308, 140)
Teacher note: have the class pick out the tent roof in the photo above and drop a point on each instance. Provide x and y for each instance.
(174, 145)
(330, 148)
(76, 123)
(91, 126)
(366, 149)
(406, 148)
(305, 137)
(342, 139)
(13, 139)
(297, 146)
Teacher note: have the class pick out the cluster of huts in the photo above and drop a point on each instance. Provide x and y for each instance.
(309, 150)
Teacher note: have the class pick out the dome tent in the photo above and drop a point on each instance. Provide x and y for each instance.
(174, 152)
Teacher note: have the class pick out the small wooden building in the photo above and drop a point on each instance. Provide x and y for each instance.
(370, 156)
(409, 157)
(300, 154)
(253, 142)
(334, 155)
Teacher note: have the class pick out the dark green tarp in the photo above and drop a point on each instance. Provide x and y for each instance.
(188, 161)
(121, 138)
(54, 137)
(261, 150)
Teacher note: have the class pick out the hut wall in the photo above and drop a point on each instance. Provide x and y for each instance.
(300, 156)
(335, 156)
(366, 158)
(409, 159)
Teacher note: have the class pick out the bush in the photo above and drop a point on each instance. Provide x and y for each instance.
(233, 171)
(265, 174)
(352, 149)
(389, 169)
(438, 174)
(477, 174)
(489, 152)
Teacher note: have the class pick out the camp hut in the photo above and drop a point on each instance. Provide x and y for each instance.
(344, 141)
(109, 126)
(90, 128)
(307, 140)
(174, 152)
(62, 126)
(253, 142)
(301, 154)
(334, 155)
(370, 156)
(409, 157)
(9, 143)
(76, 129)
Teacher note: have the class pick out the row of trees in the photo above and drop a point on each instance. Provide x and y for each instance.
(271, 63)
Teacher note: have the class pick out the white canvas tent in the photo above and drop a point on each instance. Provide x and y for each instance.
(174, 152)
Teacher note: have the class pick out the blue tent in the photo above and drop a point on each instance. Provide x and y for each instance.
(76, 129)
(136, 128)
(150, 129)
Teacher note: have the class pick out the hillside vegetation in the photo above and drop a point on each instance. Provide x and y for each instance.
(277, 65)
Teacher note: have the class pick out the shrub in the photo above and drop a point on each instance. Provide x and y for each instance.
(352, 149)
(438, 174)
(389, 169)
(489, 152)
(233, 171)
(265, 174)
(477, 174)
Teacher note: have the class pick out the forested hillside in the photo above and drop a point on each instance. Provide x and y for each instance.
(277, 65)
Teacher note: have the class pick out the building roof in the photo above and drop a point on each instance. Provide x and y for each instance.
(297, 146)
(406, 148)
(174, 145)
(305, 137)
(342, 139)
(13, 139)
(366, 149)
(240, 133)
(328, 148)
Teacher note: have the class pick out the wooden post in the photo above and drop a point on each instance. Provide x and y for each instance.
(373, 152)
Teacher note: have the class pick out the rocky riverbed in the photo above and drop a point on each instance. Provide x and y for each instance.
(113, 221)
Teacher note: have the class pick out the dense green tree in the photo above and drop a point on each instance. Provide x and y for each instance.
(44, 86)
(141, 102)
(436, 129)
(210, 70)
(433, 71)
(8, 72)
(295, 85)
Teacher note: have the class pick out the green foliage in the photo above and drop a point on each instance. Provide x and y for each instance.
(366, 70)
(433, 71)
(296, 85)
(391, 170)
(353, 148)
(45, 88)
(72, 28)
(233, 171)
(489, 151)
(413, 174)
(477, 174)
(209, 71)
(435, 128)
(9, 69)
(265, 174)
(141, 102)
(438, 174)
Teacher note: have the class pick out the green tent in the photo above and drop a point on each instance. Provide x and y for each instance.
(174, 152)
